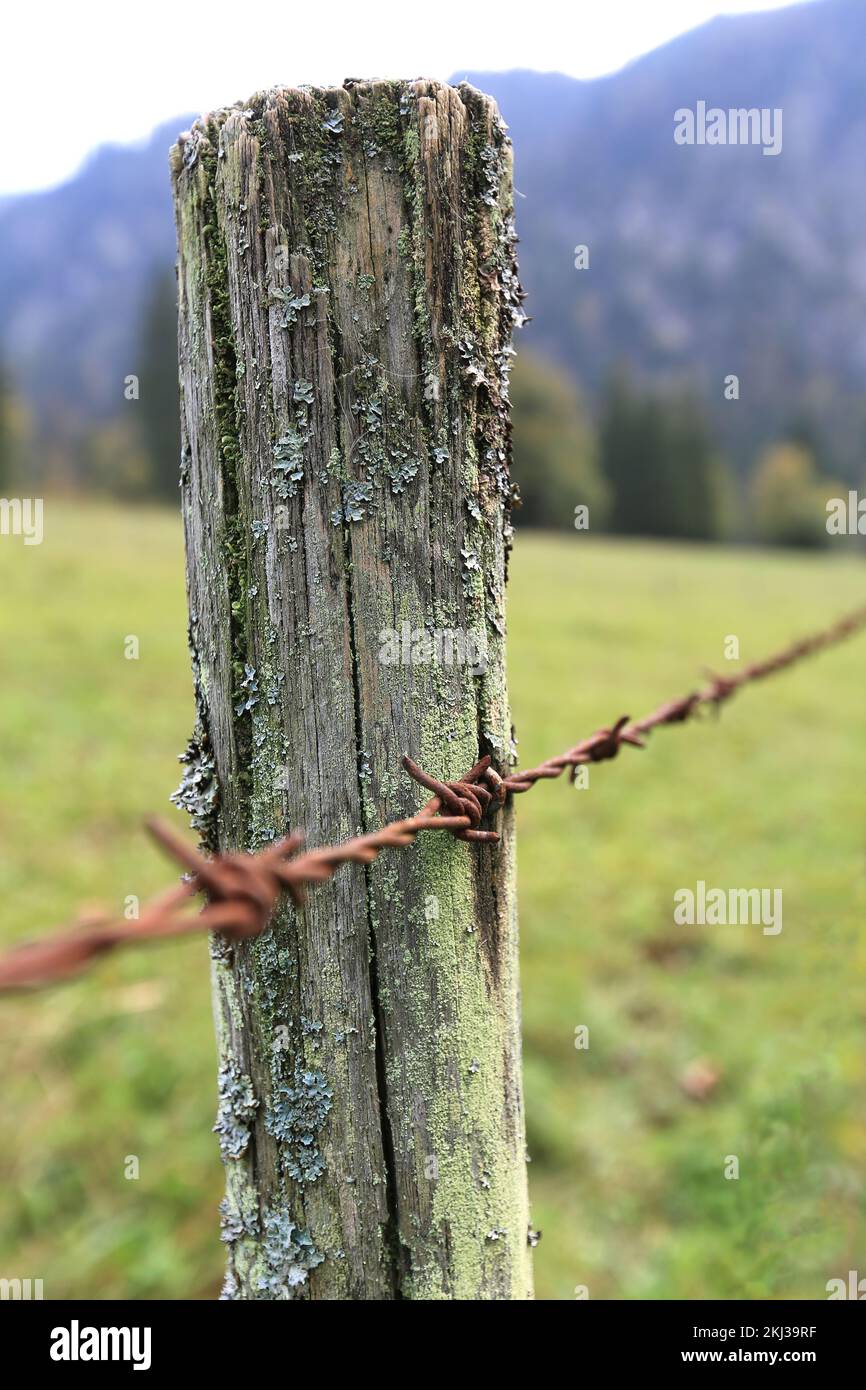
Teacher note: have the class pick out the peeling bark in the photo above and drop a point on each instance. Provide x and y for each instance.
(347, 291)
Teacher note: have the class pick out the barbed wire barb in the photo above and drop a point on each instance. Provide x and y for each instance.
(243, 889)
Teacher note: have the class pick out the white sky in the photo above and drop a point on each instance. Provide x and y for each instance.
(74, 75)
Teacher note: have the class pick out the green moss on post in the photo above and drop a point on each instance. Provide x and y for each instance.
(348, 291)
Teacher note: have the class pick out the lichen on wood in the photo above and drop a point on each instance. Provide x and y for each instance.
(348, 291)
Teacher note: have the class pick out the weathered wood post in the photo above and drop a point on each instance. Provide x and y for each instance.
(347, 290)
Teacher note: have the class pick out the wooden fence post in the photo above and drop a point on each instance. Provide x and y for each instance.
(347, 290)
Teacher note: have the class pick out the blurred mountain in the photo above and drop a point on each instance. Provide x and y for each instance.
(76, 266)
(705, 261)
(708, 260)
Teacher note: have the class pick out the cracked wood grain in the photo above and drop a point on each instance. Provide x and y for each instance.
(347, 291)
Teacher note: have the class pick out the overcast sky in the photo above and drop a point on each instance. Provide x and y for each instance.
(74, 75)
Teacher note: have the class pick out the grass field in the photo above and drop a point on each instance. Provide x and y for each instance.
(627, 1176)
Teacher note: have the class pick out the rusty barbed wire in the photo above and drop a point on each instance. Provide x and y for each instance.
(243, 889)
(606, 743)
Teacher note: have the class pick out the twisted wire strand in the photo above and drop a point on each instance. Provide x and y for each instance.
(242, 890)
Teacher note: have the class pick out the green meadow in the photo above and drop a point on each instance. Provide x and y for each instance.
(706, 1043)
